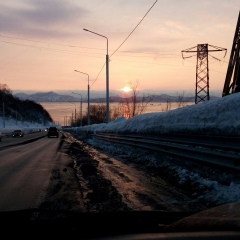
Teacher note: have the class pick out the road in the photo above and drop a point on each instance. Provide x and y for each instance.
(27, 170)
(9, 140)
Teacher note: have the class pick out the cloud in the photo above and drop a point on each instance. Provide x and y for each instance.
(39, 17)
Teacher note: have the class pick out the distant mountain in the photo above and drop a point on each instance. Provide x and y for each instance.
(55, 97)
(22, 96)
(46, 97)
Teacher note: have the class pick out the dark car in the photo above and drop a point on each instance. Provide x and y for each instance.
(17, 133)
(53, 132)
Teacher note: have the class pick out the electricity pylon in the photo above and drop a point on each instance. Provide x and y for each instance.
(232, 81)
(202, 70)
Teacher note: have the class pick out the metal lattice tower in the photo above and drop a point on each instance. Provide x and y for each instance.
(232, 81)
(202, 70)
(202, 74)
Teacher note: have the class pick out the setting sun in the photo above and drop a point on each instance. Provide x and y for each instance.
(126, 89)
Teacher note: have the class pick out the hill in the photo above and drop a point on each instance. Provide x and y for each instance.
(23, 110)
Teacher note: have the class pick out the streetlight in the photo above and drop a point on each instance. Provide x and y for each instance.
(80, 107)
(88, 96)
(107, 77)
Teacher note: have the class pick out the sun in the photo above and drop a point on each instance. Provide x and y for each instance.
(126, 89)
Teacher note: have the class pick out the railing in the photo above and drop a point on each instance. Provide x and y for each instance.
(220, 151)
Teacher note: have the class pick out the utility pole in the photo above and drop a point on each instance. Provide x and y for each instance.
(232, 81)
(202, 69)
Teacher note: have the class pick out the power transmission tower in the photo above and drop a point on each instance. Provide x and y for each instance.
(232, 81)
(202, 70)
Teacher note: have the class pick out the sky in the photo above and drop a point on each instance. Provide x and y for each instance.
(42, 42)
(217, 117)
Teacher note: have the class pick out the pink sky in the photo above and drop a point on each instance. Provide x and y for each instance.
(42, 42)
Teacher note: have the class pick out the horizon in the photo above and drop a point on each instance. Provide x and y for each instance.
(113, 93)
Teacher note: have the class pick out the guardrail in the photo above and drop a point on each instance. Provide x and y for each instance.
(220, 151)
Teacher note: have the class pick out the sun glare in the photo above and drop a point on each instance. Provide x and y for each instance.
(126, 89)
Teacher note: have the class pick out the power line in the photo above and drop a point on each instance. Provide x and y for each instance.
(71, 46)
(127, 37)
(99, 73)
(162, 55)
(45, 48)
(134, 28)
(38, 41)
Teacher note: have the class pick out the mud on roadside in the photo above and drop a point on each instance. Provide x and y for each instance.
(76, 183)
(98, 193)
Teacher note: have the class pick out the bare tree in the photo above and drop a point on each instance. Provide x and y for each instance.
(135, 105)
(168, 105)
(181, 100)
(117, 111)
(98, 113)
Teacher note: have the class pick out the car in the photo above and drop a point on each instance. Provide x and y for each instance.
(0, 136)
(18, 133)
(53, 132)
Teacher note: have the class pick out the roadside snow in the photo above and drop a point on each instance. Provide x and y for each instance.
(216, 117)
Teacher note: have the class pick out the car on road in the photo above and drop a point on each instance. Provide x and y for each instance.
(18, 133)
(53, 132)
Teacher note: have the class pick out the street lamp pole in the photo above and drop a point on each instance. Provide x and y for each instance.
(107, 77)
(80, 108)
(88, 96)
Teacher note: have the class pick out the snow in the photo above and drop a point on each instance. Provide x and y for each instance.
(213, 117)
(8, 125)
